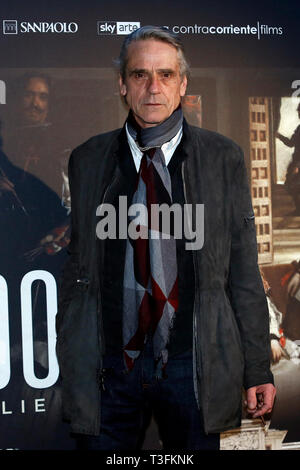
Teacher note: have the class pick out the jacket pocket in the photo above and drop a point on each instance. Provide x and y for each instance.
(249, 219)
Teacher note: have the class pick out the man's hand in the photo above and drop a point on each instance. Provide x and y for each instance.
(260, 399)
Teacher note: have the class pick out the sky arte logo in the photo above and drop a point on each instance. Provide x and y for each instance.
(10, 27)
(117, 27)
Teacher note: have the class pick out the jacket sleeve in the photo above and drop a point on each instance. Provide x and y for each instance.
(248, 298)
(70, 269)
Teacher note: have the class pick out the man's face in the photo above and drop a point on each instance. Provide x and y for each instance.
(36, 101)
(152, 86)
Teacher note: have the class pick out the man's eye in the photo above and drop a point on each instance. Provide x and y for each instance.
(166, 76)
(43, 96)
(140, 75)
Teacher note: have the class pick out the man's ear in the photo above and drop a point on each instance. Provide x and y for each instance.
(183, 86)
(123, 89)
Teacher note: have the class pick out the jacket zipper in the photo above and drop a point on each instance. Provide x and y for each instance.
(195, 329)
(101, 339)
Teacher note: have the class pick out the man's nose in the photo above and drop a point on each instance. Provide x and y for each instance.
(154, 84)
(36, 100)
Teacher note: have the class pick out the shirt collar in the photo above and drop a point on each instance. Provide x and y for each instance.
(168, 148)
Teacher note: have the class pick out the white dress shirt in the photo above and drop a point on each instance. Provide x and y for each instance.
(168, 148)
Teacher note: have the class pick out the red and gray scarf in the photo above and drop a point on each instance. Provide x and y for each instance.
(150, 289)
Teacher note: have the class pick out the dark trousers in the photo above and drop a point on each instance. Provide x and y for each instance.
(127, 399)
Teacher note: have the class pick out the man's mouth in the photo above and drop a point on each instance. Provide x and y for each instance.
(34, 111)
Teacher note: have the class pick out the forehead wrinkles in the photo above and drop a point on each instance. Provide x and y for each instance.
(152, 55)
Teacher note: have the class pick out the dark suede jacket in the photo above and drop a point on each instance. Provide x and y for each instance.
(230, 322)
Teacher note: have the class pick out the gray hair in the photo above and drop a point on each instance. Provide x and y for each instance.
(152, 32)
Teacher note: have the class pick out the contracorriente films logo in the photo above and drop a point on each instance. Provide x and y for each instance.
(163, 222)
(117, 27)
(245, 30)
(15, 27)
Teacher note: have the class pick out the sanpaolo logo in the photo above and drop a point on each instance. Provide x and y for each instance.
(117, 27)
(11, 27)
(45, 27)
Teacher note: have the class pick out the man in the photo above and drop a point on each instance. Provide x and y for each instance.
(292, 182)
(290, 323)
(36, 146)
(146, 322)
(35, 142)
(35, 100)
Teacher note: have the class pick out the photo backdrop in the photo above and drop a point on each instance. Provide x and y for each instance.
(58, 87)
